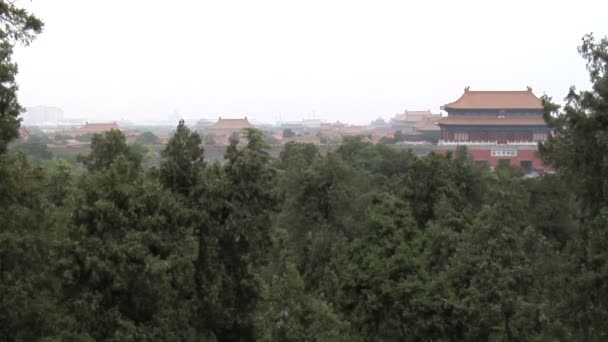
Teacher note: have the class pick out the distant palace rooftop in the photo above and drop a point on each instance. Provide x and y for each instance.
(415, 116)
(92, 128)
(231, 124)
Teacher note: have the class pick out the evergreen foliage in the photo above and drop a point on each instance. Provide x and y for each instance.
(363, 243)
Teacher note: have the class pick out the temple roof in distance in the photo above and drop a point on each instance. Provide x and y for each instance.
(90, 128)
(232, 124)
(415, 116)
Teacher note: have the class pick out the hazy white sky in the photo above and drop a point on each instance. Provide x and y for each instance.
(348, 60)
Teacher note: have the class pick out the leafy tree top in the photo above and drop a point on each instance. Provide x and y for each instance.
(107, 149)
(183, 160)
(17, 26)
(580, 141)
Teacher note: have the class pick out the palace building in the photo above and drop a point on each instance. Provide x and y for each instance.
(94, 128)
(498, 127)
(226, 127)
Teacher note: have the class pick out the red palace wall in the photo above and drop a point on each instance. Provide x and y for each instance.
(484, 155)
(476, 135)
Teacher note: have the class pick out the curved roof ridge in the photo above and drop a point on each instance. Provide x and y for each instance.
(498, 91)
(496, 99)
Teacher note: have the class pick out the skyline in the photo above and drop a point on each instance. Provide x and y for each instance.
(347, 61)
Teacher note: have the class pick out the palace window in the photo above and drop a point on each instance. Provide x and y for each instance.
(461, 136)
(526, 165)
(540, 136)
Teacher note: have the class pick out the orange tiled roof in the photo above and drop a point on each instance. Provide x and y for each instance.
(354, 129)
(475, 120)
(332, 126)
(429, 124)
(382, 131)
(232, 124)
(90, 128)
(517, 99)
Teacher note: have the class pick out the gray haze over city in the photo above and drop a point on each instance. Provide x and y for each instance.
(284, 60)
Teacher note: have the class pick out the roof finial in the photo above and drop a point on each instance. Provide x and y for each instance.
(466, 89)
(529, 88)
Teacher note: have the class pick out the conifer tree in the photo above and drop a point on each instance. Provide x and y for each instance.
(17, 26)
(495, 268)
(24, 242)
(123, 271)
(183, 161)
(235, 243)
(578, 150)
(382, 283)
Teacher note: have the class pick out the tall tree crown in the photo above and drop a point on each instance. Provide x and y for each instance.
(17, 26)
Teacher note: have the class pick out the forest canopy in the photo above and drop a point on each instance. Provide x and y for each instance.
(362, 243)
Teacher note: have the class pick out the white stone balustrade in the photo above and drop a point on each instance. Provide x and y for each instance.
(456, 143)
(480, 143)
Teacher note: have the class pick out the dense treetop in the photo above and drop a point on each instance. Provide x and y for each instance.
(362, 243)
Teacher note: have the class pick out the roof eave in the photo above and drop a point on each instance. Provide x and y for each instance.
(490, 108)
(486, 124)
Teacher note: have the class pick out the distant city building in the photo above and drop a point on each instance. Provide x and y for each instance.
(304, 127)
(41, 115)
(295, 126)
(73, 121)
(497, 126)
(313, 124)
